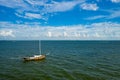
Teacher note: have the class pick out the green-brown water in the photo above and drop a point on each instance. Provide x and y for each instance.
(66, 60)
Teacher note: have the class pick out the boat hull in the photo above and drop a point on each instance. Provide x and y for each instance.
(34, 58)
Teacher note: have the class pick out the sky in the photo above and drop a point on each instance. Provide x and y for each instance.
(59, 19)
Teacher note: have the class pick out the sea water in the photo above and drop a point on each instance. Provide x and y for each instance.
(65, 60)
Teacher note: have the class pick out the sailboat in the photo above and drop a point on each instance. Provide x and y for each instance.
(35, 57)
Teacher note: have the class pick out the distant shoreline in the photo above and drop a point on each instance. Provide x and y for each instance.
(59, 40)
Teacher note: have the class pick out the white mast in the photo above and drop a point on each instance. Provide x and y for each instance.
(40, 47)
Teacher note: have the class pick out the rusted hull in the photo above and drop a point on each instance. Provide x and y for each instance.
(34, 58)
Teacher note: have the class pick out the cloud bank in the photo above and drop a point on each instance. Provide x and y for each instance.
(103, 30)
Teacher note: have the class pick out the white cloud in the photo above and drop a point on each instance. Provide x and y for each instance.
(19, 5)
(29, 15)
(22, 8)
(33, 15)
(36, 2)
(61, 6)
(13, 3)
(42, 9)
(103, 30)
(115, 1)
(88, 6)
(35, 5)
(38, 8)
(65, 34)
(6, 33)
(95, 17)
(114, 14)
(49, 34)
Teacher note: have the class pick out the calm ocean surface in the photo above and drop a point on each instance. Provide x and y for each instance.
(66, 60)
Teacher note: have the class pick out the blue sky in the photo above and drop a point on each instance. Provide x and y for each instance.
(60, 19)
